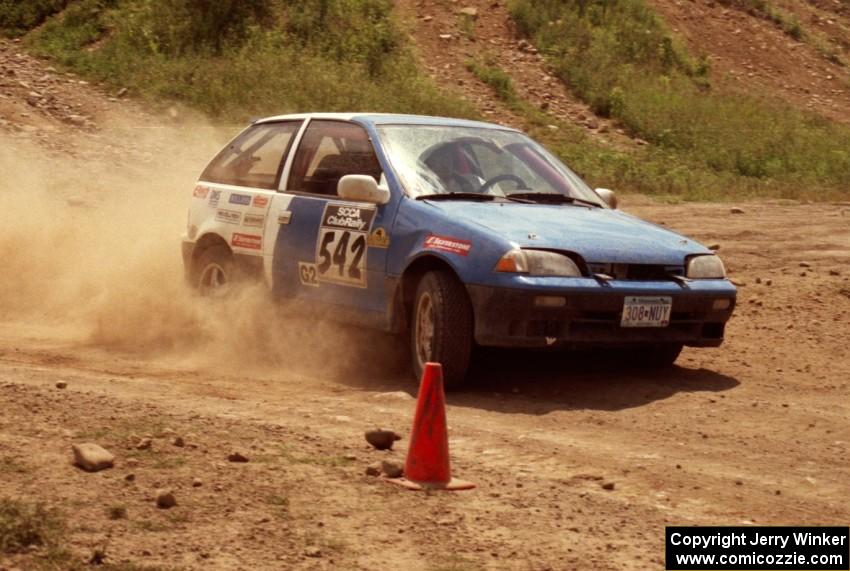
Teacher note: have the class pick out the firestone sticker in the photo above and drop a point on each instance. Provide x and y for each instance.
(448, 244)
(260, 201)
(247, 241)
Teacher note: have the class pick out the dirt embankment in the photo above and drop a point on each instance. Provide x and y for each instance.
(752, 54)
(449, 37)
(92, 295)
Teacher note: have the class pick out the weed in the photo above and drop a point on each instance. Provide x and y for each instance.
(23, 525)
(455, 563)
(9, 465)
(168, 462)
(466, 23)
(152, 526)
(281, 505)
(495, 77)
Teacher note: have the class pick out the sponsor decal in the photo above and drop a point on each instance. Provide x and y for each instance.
(308, 274)
(254, 220)
(228, 216)
(247, 241)
(342, 243)
(448, 244)
(379, 238)
(243, 199)
(348, 217)
(201, 191)
(215, 196)
(260, 201)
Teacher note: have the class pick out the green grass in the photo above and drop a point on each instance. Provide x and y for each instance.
(455, 563)
(790, 24)
(496, 78)
(23, 525)
(118, 511)
(704, 143)
(268, 57)
(240, 58)
(27, 525)
(9, 465)
(17, 16)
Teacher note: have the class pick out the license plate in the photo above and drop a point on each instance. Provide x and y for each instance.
(646, 312)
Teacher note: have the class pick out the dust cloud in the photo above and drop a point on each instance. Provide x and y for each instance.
(90, 247)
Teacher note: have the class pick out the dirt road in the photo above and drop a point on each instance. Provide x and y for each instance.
(91, 295)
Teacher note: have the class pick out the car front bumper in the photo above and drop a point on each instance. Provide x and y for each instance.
(591, 314)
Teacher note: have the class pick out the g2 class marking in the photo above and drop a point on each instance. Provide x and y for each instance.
(308, 274)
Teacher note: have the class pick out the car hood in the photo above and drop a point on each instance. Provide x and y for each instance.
(598, 235)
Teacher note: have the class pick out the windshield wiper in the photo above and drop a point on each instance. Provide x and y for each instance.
(551, 198)
(457, 196)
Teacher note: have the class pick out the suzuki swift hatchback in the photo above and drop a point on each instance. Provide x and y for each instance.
(457, 233)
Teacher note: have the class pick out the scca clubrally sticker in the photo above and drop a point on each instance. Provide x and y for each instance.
(342, 243)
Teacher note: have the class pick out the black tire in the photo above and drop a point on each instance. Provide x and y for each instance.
(215, 272)
(451, 336)
(654, 356)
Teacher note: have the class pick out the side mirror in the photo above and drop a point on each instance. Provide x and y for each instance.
(609, 196)
(362, 188)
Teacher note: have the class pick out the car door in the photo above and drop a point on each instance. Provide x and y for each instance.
(329, 250)
(238, 186)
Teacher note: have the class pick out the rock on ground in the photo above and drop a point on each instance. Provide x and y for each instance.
(165, 499)
(91, 457)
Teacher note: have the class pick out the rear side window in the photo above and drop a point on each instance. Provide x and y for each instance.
(254, 158)
(329, 151)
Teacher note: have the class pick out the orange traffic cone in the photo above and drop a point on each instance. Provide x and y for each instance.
(427, 465)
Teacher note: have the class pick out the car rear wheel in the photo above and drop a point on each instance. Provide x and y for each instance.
(216, 272)
(441, 327)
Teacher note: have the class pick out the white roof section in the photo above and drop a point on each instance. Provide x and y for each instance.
(387, 119)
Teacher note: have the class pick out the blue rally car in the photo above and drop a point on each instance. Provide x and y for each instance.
(455, 232)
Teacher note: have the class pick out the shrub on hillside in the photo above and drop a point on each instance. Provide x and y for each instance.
(177, 27)
(17, 17)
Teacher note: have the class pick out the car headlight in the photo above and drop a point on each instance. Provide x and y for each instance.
(705, 267)
(538, 263)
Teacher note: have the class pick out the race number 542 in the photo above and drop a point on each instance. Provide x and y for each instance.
(341, 256)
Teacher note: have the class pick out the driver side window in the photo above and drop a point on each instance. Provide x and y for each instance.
(329, 151)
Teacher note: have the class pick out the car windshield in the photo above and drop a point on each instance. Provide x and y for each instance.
(444, 160)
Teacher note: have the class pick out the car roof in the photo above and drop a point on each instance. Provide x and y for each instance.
(388, 119)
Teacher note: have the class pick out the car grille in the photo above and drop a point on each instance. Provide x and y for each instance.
(637, 272)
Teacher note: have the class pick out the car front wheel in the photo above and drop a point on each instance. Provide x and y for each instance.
(441, 327)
